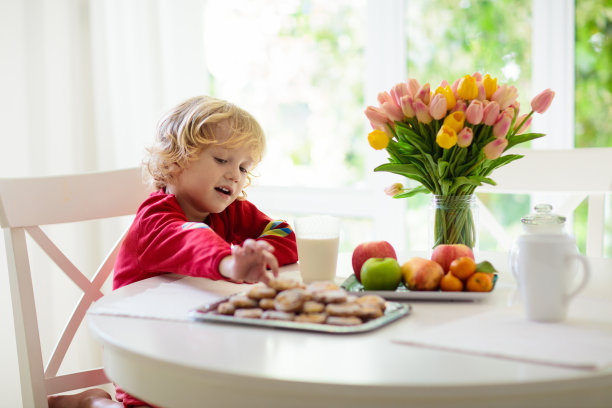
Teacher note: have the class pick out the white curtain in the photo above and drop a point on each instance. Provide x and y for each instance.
(82, 85)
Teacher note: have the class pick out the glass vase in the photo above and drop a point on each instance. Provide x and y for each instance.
(453, 220)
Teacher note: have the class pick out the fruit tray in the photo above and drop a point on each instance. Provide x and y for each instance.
(352, 285)
(393, 312)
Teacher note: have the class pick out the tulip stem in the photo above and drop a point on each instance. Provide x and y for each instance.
(516, 128)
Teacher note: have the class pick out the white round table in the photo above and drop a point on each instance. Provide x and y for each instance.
(195, 364)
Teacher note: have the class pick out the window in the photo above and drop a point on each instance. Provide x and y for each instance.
(297, 66)
(307, 69)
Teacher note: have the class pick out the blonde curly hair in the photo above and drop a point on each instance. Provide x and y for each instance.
(189, 128)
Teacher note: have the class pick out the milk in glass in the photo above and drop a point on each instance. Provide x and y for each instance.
(317, 239)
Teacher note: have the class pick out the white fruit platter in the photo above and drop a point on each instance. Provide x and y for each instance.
(352, 285)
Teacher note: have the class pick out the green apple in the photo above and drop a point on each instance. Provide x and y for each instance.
(381, 274)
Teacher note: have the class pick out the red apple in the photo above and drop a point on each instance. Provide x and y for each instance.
(444, 254)
(372, 249)
(422, 274)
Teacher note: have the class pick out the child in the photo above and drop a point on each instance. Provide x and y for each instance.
(198, 222)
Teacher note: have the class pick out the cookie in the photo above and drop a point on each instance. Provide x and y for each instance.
(226, 308)
(253, 313)
(318, 318)
(369, 311)
(281, 284)
(290, 300)
(277, 315)
(261, 292)
(342, 309)
(343, 321)
(321, 285)
(330, 296)
(311, 306)
(242, 301)
(372, 299)
(266, 304)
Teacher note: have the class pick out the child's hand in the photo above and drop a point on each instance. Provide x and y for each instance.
(249, 263)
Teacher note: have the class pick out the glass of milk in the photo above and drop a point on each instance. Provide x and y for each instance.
(317, 244)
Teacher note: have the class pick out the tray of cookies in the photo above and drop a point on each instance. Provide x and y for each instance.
(289, 304)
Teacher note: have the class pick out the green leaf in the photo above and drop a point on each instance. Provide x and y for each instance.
(502, 161)
(410, 136)
(486, 267)
(478, 180)
(407, 170)
(442, 166)
(459, 181)
(446, 186)
(411, 192)
(401, 169)
(525, 137)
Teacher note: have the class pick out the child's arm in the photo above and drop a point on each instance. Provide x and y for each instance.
(249, 222)
(250, 262)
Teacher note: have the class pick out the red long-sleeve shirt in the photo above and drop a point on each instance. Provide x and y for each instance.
(161, 240)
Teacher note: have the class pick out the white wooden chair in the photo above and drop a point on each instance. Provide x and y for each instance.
(26, 204)
(571, 175)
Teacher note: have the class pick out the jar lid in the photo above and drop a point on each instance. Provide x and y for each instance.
(543, 218)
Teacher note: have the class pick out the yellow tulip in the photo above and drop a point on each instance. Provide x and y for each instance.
(467, 88)
(446, 137)
(490, 85)
(448, 94)
(455, 120)
(378, 139)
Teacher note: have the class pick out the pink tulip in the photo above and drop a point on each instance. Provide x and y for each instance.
(509, 112)
(455, 85)
(516, 106)
(495, 148)
(474, 112)
(501, 127)
(377, 117)
(460, 106)
(394, 189)
(398, 91)
(413, 86)
(542, 101)
(482, 94)
(444, 83)
(406, 104)
(437, 107)
(465, 137)
(422, 111)
(393, 111)
(490, 113)
(477, 76)
(505, 96)
(424, 94)
(525, 125)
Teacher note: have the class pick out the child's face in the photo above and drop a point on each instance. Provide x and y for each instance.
(211, 182)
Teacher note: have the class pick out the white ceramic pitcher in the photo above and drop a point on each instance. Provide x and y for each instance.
(544, 263)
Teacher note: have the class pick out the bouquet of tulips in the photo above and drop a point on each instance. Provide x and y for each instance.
(450, 140)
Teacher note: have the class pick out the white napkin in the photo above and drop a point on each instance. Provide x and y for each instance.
(170, 300)
(583, 341)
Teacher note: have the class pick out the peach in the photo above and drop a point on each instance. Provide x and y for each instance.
(422, 274)
(444, 254)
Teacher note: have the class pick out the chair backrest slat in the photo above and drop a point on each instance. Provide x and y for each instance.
(574, 174)
(72, 198)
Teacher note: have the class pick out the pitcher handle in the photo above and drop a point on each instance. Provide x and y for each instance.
(586, 275)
